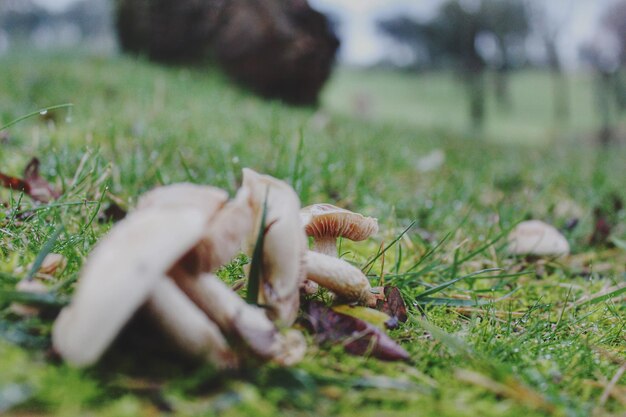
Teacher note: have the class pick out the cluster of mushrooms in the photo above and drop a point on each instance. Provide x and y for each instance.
(163, 256)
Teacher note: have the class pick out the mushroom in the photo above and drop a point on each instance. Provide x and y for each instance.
(238, 319)
(180, 231)
(188, 326)
(534, 237)
(120, 275)
(284, 245)
(340, 277)
(325, 223)
(184, 195)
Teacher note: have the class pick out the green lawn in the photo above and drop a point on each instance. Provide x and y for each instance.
(540, 351)
(439, 101)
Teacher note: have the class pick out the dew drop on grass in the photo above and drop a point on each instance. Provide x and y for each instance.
(43, 112)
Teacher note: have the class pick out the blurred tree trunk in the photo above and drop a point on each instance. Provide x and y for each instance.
(474, 81)
(503, 91)
(560, 85)
(549, 28)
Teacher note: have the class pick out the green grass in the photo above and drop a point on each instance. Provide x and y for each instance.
(134, 126)
(438, 100)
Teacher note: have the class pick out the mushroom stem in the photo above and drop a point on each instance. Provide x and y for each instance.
(237, 318)
(188, 326)
(340, 277)
(326, 245)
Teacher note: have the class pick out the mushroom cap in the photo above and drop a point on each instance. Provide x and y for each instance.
(534, 237)
(284, 245)
(203, 197)
(119, 276)
(326, 220)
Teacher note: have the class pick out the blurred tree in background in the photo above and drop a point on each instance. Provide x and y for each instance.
(280, 49)
(489, 33)
(606, 54)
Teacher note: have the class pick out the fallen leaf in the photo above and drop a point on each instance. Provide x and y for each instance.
(393, 305)
(375, 317)
(605, 217)
(39, 188)
(601, 228)
(33, 185)
(534, 237)
(357, 336)
(112, 213)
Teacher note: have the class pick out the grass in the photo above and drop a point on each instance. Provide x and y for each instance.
(438, 100)
(553, 345)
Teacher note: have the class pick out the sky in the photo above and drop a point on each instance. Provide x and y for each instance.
(363, 45)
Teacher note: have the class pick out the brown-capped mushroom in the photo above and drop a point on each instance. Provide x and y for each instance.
(325, 223)
(119, 277)
(284, 245)
(340, 277)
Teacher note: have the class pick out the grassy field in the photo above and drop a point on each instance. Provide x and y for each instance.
(439, 101)
(541, 350)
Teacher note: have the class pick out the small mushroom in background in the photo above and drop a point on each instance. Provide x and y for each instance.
(31, 286)
(52, 263)
(534, 237)
(325, 223)
(284, 246)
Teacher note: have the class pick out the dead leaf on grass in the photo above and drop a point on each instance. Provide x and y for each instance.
(393, 305)
(357, 336)
(32, 184)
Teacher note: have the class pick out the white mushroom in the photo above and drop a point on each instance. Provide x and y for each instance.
(120, 275)
(284, 244)
(226, 232)
(184, 195)
(188, 326)
(340, 277)
(238, 319)
(534, 237)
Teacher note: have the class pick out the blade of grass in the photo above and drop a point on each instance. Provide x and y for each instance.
(446, 284)
(47, 299)
(35, 113)
(380, 253)
(603, 295)
(45, 250)
(430, 252)
(456, 302)
(256, 264)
